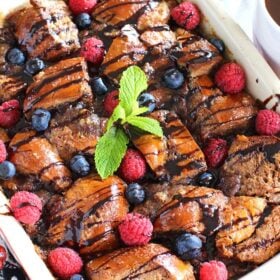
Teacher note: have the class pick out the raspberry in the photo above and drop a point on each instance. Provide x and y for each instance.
(3, 151)
(26, 207)
(9, 113)
(268, 122)
(230, 78)
(186, 15)
(93, 50)
(133, 166)
(216, 152)
(111, 101)
(81, 6)
(3, 257)
(136, 230)
(64, 262)
(213, 270)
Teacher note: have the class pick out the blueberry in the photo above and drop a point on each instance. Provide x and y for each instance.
(219, 44)
(7, 170)
(135, 194)
(207, 179)
(34, 66)
(83, 21)
(41, 119)
(188, 246)
(173, 78)
(80, 165)
(98, 86)
(15, 56)
(77, 277)
(147, 100)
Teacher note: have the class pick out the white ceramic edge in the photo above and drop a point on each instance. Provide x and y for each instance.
(257, 70)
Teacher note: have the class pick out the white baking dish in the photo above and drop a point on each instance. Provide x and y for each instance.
(262, 84)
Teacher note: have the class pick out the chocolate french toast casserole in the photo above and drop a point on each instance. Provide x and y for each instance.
(129, 146)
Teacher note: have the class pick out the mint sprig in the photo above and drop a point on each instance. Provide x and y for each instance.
(112, 146)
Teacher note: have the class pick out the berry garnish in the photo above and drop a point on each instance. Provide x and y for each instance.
(83, 21)
(9, 113)
(80, 165)
(207, 179)
(82, 6)
(268, 122)
(111, 101)
(77, 277)
(3, 151)
(7, 170)
(41, 119)
(3, 257)
(216, 152)
(136, 230)
(230, 78)
(15, 56)
(218, 43)
(65, 262)
(98, 86)
(147, 100)
(188, 246)
(135, 194)
(34, 66)
(186, 15)
(133, 166)
(93, 50)
(173, 78)
(213, 270)
(26, 207)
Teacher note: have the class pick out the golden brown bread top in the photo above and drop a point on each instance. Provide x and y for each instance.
(212, 113)
(90, 214)
(34, 155)
(151, 261)
(176, 156)
(59, 85)
(253, 168)
(50, 34)
(258, 247)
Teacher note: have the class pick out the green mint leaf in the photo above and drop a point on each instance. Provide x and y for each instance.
(110, 151)
(118, 114)
(147, 124)
(133, 82)
(139, 111)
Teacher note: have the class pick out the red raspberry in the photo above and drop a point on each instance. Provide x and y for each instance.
(136, 230)
(26, 207)
(9, 113)
(3, 257)
(93, 50)
(82, 6)
(216, 152)
(64, 262)
(186, 15)
(268, 122)
(133, 166)
(213, 270)
(111, 101)
(230, 78)
(3, 151)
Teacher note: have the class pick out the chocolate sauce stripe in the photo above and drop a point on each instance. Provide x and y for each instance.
(184, 200)
(20, 143)
(146, 272)
(46, 168)
(38, 85)
(202, 122)
(97, 238)
(190, 40)
(99, 12)
(145, 264)
(52, 91)
(268, 149)
(115, 254)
